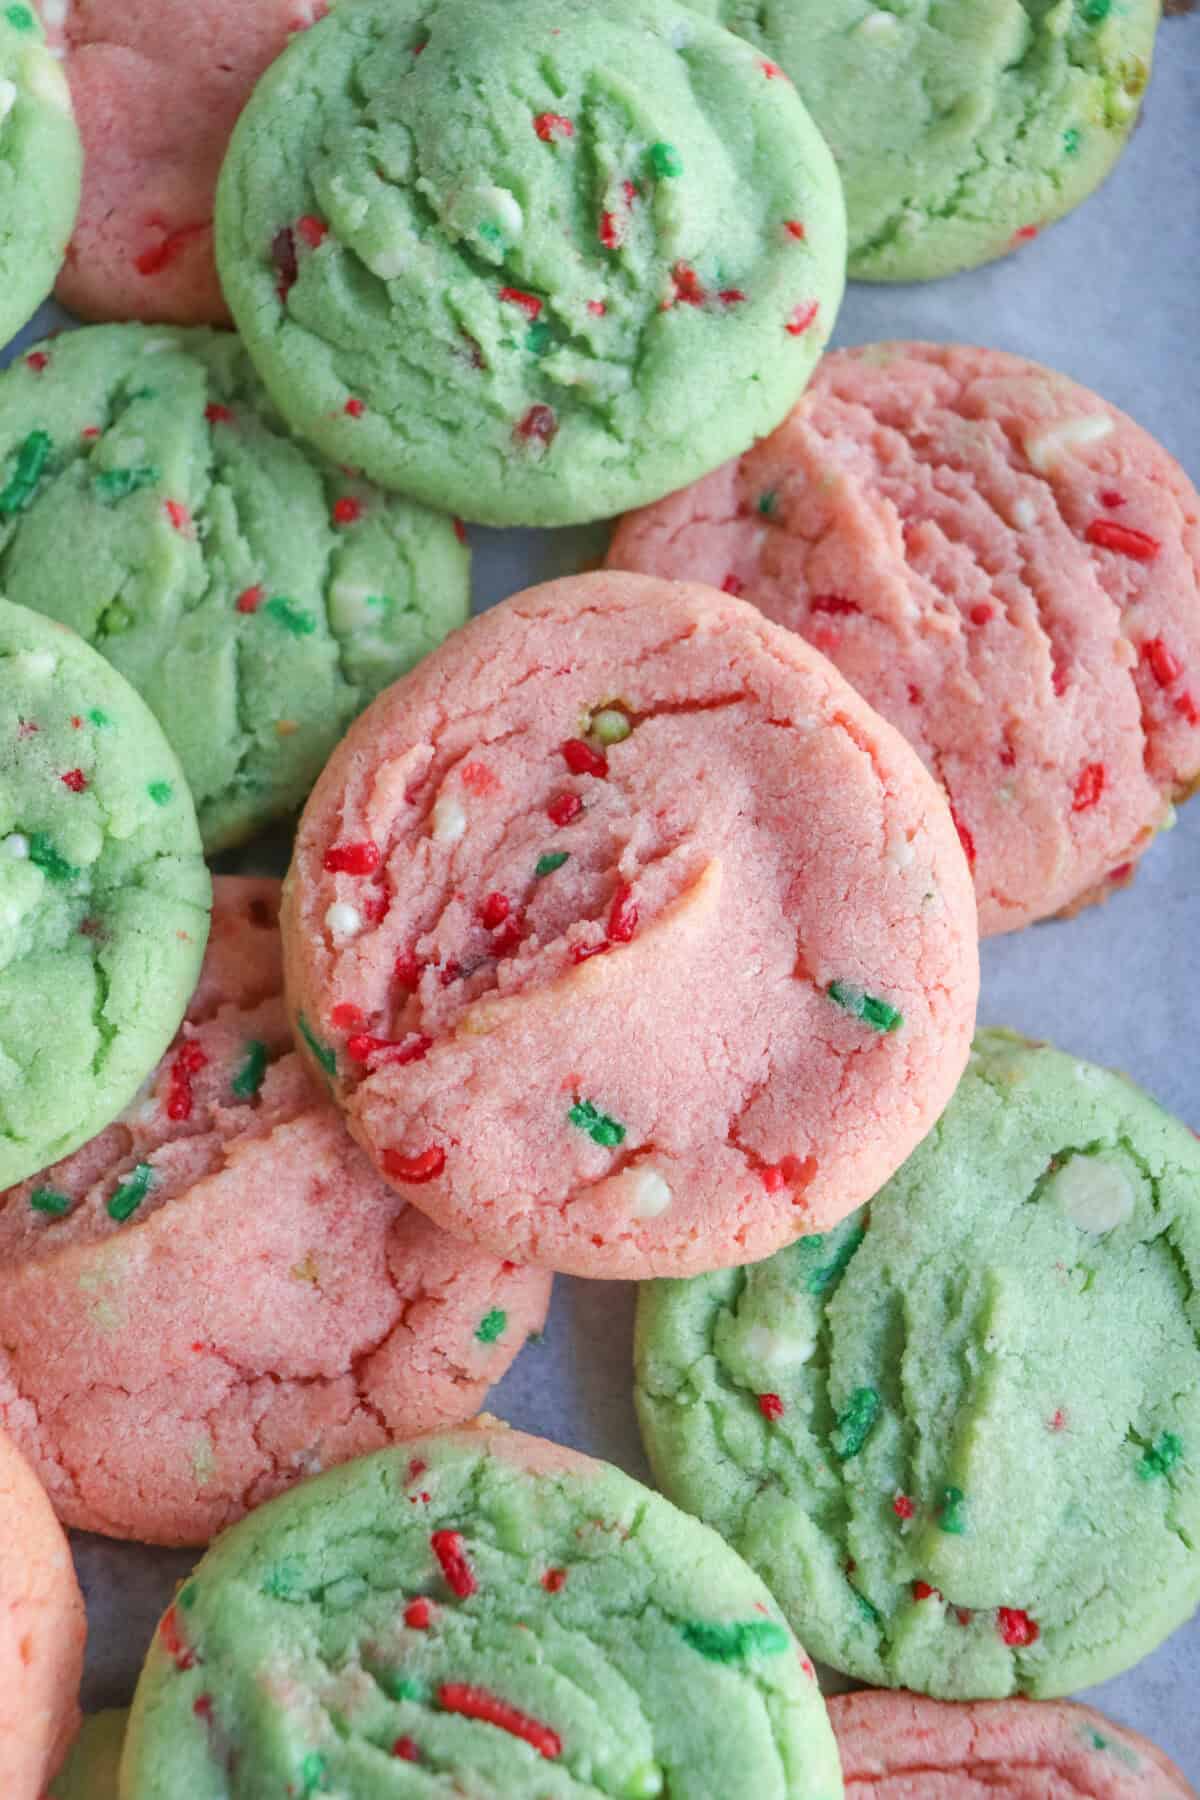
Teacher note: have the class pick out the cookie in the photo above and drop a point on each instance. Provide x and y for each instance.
(40, 161)
(231, 1295)
(156, 94)
(902, 1747)
(152, 498)
(103, 892)
(958, 131)
(533, 261)
(42, 1630)
(476, 1612)
(962, 1433)
(1007, 567)
(628, 938)
(91, 1770)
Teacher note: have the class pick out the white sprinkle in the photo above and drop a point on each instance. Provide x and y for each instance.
(8, 97)
(878, 24)
(1047, 448)
(1024, 514)
(505, 210)
(449, 820)
(651, 1194)
(899, 850)
(45, 79)
(681, 36)
(1095, 1195)
(15, 845)
(152, 346)
(54, 12)
(389, 262)
(778, 1349)
(343, 921)
(34, 663)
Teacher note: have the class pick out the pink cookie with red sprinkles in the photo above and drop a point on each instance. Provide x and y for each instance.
(897, 1746)
(1003, 564)
(218, 1294)
(157, 92)
(628, 938)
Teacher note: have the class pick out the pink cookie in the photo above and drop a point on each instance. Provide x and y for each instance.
(42, 1631)
(898, 1746)
(630, 939)
(157, 89)
(1004, 565)
(218, 1295)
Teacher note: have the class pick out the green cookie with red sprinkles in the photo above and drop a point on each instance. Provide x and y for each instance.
(565, 257)
(479, 1612)
(104, 896)
(40, 166)
(959, 1436)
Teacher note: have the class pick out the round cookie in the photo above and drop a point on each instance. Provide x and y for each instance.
(92, 1769)
(563, 257)
(1007, 567)
(904, 1747)
(156, 94)
(476, 1612)
(103, 892)
(962, 1432)
(40, 162)
(232, 1297)
(42, 1631)
(958, 131)
(628, 938)
(152, 499)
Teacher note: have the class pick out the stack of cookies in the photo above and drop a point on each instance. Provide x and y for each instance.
(630, 929)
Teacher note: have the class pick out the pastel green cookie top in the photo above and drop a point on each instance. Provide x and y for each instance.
(258, 598)
(41, 165)
(568, 257)
(959, 129)
(477, 1613)
(104, 894)
(90, 1771)
(960, 1436)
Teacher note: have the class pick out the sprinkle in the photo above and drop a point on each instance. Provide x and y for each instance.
(731, 296)
(33, 453)
(855, 1423)
(612, 232)
(623, 917)
(352, 859)
(161, 792)
(687, 288)
(597, 308)
(599, 1127)
(876, 1013)
(767, 502)
(553, 128)
(529, 304)
(952, 1511)
(347, 511)
(45, 857)
(171, 1636)
(771, 70)
(19, 17)
(801, 318)
(1110, 497)
(582, 759)
(795, 229)
(1187, 708)
(112, 485)
(16, 845)
(296, 623)
(554, 1580)
(966, 836)
(835, 604)
(37, 360)
(179, 516)
(1089, 787)
(129, 1195)
(581, 953)
(157, 257)
(189, 1060)
(820, 1278)
(343, 920)
(249, 1077)
(415, 1171)
(477, 1703)
(538, 338)
(771, 1407)
(405, 1748)
(250, 599)
(75, 779)
(218, 415)
(737, 1641)
(903, 1507)
(1095, 11)
(1165, 666)
(611, 725)
(1025, 234)
(48, 1200)
(564, 810)
(313, 1771)
(1107, 534)
(1016, 1628)
(492, 1326)
(314, 231)
(923, 1591)
(1160, 1456)
(539, 426)
(982, 613)
(283, 255)
(733, 584)
(546, 865)
(379, 1053)
(449, 820)
(450, 1550)
(665, 161)
(406, 970)
(496, 909)
(417, 1615)
(323, 1054)
(1046, 449)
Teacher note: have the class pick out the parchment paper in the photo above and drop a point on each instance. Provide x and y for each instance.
(1112, 297)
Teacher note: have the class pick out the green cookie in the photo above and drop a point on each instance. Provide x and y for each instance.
(90, 1771)
(960, 1435)
(257, 598)
(567, 256)
(960, 128)
(41, 165)
(476, 1613)
(104, 895)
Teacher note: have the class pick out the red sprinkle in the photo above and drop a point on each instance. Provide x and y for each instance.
(450, 1550)
(189, 1060)
(771, 1407)
(37, 360)
(160, 255)
(731, 296)
(1111, 498)
(508, 935)
(173, 1640)
(250, 599)
(833, 603)
(494, 910)
(75, 779)
(903, 1507)
(476, 1703)
(347, 511)
(687, 285)
(771, 70)
(406, 970)
(179, 515)
(795, 229)
(802, 318)
(218, 415)
(581, 759)
(1107, 534)
(415, 1170)
(554, 1580)
(1016, 1627)
(553, 128)
(460, 530)
(1089, 787)
(923, 1591)
(345, 1017)
(314, 231)
(611, 232)
(1187, 708)
(405, 1748)
(980, 614)
(539, 426)
(1059, 1421)
(597, 308)
(733, 584)
(565, 809)
(202, 1706)
(966, 837)
(1165, 666)
(417, 1615)
(383, 1053)
(1024, 233)
(773, 1178)
(631, 192)
(581, 953)
(91, 431)
(623, 918)
(529, 304)
(355, 407)
(352, 859)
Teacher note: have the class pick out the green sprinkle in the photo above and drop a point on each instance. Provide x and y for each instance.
(324, 1055)
(129, 1196)
(299, 624)
(599, 1127)
(1096, 11)
(1097, 1741)
(734, 1643)
(546, 865)
(99, 719)
(112, 485)
(48, 1200)
(187, 1596)
(160, 792)
(666, 161)
(402, 1687)
(492, 1326)
(19, 17)
(611, 726)
(952, 1512)
(43, 853)
(313, 1772)
(854, 1425)
(32, 457)
(872, 1011)
(144, 393)
(281, 1580)
(768, 502)
(491, 234)
(1157, 1458)
(820, 1278)
(538, 338)
(1071, 142)
(249, 1077)
(864, 1605)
